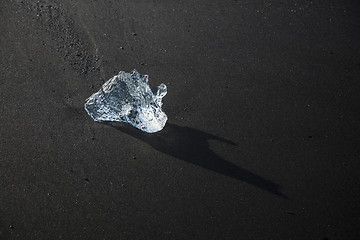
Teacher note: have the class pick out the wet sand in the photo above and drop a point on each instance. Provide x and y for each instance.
(262, 140)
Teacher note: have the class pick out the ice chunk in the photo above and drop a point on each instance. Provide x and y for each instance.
(127, 97)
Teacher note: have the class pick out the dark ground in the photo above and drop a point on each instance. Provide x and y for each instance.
(263, 134)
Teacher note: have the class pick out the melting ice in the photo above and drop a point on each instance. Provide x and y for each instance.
(127, 97)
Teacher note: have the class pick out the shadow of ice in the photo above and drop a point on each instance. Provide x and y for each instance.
(191, 145)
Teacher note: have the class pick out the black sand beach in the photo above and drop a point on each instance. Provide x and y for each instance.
(262, 140)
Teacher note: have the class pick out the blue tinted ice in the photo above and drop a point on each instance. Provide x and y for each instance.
(127, 97)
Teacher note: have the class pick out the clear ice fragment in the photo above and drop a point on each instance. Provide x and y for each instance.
(127, 97)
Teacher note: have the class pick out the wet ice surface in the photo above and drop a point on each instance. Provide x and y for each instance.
(127, 97)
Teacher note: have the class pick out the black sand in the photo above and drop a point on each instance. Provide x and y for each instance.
(263, 134)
